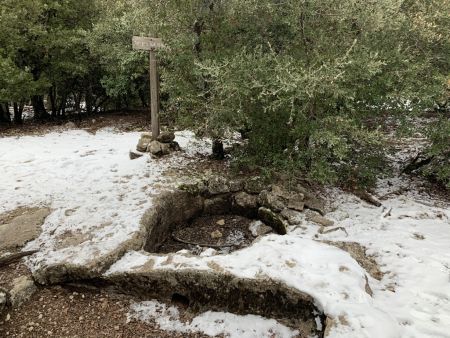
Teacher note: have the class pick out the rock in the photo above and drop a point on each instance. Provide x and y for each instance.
(169, 209)
(23, 289)
(220, 222)
(216, 234)
(285, 194)
(271, 201)
(358, 253)
(301, 189)
(315, 204)
(245, 204)
(320, 220)
(254, 185)
(147, 135)
(218, 185)
(70, 125)
(134, 154)
(217, 206)
(165, 148)
(175, 146)
(236, 185)
(4, 300)
(273, 220)
(154, 147)
(296, 204)
(291, 216)
(258, 228)
(144, 141)
(166, 137)
(196, 187)
(23, 228)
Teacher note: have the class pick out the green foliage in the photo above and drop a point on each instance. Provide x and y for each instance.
(306, 81)
(17, 84)
(44, 50)
(439, 135)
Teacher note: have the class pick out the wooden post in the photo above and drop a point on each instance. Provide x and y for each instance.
(154, 99)
(151, 45)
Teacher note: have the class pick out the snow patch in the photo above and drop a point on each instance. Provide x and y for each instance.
(334, 279)
(209, 323)
(97, 194)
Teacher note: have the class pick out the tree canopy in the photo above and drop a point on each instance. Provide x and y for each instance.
(306, 81)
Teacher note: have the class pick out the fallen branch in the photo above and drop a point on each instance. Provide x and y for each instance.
(215, 246)
(416, 163)
(323, 231)
(388, 213)
(365, 196)
(397, 192)
(15, 257)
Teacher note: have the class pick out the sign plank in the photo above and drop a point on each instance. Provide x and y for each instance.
(147, 43)
(151, 44)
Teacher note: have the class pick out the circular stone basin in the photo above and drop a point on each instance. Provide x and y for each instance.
(222, 232)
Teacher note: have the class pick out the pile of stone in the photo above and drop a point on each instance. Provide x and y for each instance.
(274, 205)
(164, 144)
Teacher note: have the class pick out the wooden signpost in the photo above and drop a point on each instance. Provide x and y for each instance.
(151, 44)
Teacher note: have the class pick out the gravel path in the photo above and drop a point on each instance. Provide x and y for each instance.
(73, 312)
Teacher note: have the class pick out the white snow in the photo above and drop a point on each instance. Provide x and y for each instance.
(329, 275)
(209, 323)
(97, 196)
(413, 248)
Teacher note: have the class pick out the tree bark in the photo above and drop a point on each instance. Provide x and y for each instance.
(5, 118)
(89, 99)
(18, 108)
(40, 113)
(52, 96)
(62, 105)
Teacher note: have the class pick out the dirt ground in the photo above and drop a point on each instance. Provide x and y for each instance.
(71, 311)
(68, 311)
(74, 312)
(124, 121)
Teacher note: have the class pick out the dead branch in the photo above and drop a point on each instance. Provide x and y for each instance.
(4, 261)
(215, 246)
(323, 231)
(416, 163)
(365, 196)
(388, 213)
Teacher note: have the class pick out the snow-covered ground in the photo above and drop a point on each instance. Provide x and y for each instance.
(412, 245)
(98, 196)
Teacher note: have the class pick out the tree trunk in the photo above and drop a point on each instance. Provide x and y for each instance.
(18, 108)
(52, 96)
(5, 118)
(40, 113)
(77, 98)
(89, 100)
(142, 98)
(62, 105)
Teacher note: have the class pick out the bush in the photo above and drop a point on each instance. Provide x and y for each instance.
(439, 167)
